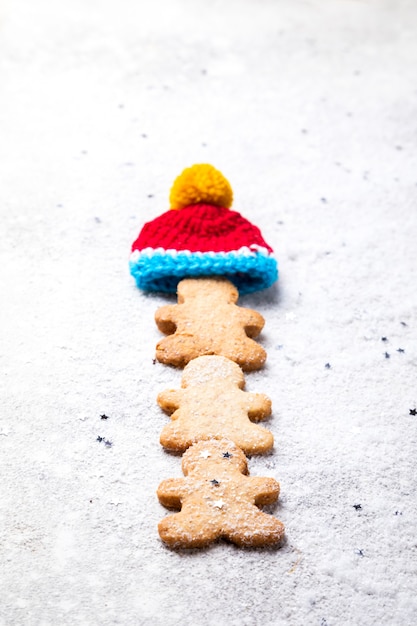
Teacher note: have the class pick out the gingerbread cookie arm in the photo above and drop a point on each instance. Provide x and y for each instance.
(165, 318)
(259, 406)
(252, 358)
(252, 322)
(170, 400)
(171, 491)
(177, 349)
(265, 490)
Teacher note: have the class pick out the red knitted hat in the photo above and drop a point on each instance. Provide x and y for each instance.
(201, 239)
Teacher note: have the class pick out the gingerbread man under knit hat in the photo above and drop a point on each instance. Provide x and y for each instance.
(210, 254)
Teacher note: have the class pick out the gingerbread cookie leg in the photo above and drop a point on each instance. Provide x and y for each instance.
(191, 528)
(255, 529)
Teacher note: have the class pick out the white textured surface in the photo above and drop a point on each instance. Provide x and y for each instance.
(309, 108)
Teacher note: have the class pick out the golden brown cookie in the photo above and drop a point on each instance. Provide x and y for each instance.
(207, 321)
(218, 500)
(212, 403)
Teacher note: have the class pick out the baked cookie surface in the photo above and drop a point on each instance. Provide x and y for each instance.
(212, 403)
(218, 500)
(207, 321)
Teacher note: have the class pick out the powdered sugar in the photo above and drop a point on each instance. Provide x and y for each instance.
(298, 103)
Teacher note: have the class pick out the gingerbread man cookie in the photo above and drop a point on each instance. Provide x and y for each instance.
(207, 321)
(212, 403)
(218, 500)
(209, 254)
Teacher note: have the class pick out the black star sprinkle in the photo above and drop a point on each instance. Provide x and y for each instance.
(227, 455)
(327, 366)
(387, 355)
(107, 443)
(359, 552)
(104, 417)
(413, 411)
(357, 507)
(215, 482)
(384, 339)
(400, 350)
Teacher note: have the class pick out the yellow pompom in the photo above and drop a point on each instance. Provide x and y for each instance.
(200, 183)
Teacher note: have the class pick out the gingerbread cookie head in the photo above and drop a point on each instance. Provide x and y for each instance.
(216, 288)
(212, 370)
(214, 456)
(201, 236)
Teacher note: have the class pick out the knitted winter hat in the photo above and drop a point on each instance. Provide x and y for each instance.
(201, 236)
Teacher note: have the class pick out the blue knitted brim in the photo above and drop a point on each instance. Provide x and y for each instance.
(160, 270)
